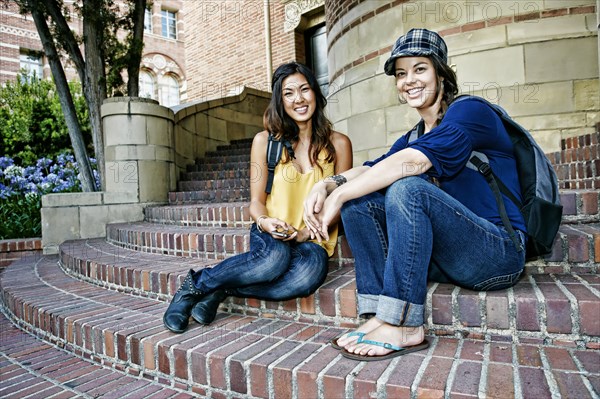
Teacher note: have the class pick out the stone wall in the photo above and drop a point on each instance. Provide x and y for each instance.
(203, 126)
(538, 59)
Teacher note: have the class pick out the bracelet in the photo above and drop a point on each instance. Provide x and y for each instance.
(338, 179)
(258, 219)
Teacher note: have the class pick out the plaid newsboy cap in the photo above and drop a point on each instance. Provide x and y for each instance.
(417, 43)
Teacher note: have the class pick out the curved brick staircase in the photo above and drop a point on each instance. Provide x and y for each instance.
(89, 320)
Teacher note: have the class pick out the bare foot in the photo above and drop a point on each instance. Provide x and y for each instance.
(387, 333)
(365, 328)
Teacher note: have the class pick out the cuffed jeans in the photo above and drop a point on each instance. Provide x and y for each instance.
(272, 270)
(417, 231)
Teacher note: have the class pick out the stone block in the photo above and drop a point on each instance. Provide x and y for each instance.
(498, 72)
(435, 15)
(58, 225)
(160, 132)
(548, 61)
(372, 94)
(120, 198)
(343, 50)
(125, 129)
(537, 99)
(217, 129)
(367, 71)
(360, 157)
(586, 94)
(122, 177)
(379, 31)
(475, 41)
(338, 106)
(123, 213)
(542, 30)
(551, 4)
(154, 181)
(399, 119)
(93, 220)
(71, 199)
(554, 121)
(164, 154)
(134, 152)
(549, 140)
(367, 130)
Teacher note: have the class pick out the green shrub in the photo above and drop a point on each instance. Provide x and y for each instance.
(32, 124)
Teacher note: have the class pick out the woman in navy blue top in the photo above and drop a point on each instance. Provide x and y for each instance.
(422, 210)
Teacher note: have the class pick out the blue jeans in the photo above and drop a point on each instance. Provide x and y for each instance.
(272, 270)
(417, 231)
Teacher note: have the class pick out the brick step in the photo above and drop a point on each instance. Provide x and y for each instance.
(32, 368)
(227, 151)
(576, 248)
(209, 185)
(208, 167)
(264, 357)
(228, 214)
(243, 173)
(209, 196)
(541, 306)
(580, 206)
(239, 143)
(224, 159)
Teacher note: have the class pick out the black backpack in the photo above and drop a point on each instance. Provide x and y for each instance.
(274, 150)
(541, 208)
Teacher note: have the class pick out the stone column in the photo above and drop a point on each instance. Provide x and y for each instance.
(139, 148)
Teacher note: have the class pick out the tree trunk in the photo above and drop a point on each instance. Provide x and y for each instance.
(135, 48)
(66, 101)
(94, 76)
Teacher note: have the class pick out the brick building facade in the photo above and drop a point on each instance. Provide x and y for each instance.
(538, 59)
(163, 71)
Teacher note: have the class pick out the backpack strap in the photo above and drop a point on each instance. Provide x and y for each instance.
(274, 151)
(486, 171)
(505, 120)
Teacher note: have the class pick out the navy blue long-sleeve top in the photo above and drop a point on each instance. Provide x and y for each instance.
(468, 126)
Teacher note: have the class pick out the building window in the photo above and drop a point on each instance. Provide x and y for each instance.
(316, 55)
(31, 66)
(169, 91)
(169, 24)
(147, 85)
(148, 21)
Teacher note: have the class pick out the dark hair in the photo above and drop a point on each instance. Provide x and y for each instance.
(450, 84)
(278, 123)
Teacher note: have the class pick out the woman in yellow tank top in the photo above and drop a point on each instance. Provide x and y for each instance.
(285, 259)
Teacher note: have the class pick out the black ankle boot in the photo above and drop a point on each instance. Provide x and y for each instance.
(205, 311)
(177, 316)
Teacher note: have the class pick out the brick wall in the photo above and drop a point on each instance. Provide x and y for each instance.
(225, 45)
(577, 165)
(12, 250)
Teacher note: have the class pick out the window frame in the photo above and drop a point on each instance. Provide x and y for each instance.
(167, 16)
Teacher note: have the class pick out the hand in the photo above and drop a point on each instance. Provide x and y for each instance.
(312, 206)
(331, 207)
(303, 235)
(270, 225)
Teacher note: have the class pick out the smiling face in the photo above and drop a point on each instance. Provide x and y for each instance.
(416, 81)
(299, 100)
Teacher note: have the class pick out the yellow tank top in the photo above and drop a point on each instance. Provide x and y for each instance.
(290, 188)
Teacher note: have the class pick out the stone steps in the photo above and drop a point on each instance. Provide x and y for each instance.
(249, 356)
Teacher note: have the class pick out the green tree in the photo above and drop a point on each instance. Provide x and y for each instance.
(99, 68)
(32, 124)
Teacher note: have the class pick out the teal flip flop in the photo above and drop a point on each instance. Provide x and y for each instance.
(396, 350)
(333, 341)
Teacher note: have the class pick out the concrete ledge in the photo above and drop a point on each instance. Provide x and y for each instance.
(69, 216)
